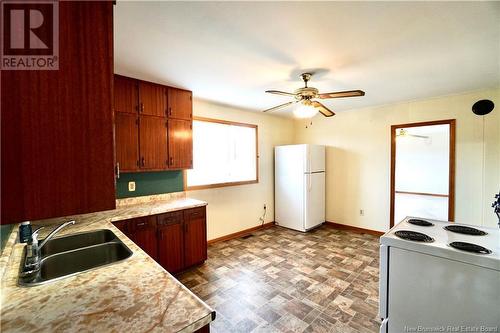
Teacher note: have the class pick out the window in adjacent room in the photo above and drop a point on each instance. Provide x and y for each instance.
(224, 153)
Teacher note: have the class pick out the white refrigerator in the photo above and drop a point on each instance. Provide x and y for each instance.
(299, 186)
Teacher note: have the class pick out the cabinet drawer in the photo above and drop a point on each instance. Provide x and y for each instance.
(170, 218)
(142, 223)
(195, 213)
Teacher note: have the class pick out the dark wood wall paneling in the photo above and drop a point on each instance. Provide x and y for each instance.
(57, 125)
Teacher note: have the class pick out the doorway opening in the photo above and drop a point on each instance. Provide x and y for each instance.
(423, 170)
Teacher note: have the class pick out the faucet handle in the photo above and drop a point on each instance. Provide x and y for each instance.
(34, 236)
(35, 232)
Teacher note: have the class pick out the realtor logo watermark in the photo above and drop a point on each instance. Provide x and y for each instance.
(30, 35)
(458, 329)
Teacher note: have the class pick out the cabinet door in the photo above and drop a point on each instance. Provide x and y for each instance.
(153, 143)
(180, 104)
(143, 233)
(126, 95)
(180, 144)
(127, 141)
(122, 226)
(195, 236)
(171, 241)
(57, 125)
(153, 99)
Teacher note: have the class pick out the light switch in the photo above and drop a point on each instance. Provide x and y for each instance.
(131, 186)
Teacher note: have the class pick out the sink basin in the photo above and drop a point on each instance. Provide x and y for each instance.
(74, 254)
(76, 241)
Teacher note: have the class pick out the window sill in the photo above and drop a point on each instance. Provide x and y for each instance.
(203, 187)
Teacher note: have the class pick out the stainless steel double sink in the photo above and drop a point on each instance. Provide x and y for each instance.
(76, 253)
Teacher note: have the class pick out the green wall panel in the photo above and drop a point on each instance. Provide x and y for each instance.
(148, 183)
(5, 233)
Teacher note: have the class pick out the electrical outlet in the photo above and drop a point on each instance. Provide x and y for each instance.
(131, 186)
(362, 212)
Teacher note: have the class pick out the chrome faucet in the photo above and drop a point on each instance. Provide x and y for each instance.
(33, 249)
(496, 207)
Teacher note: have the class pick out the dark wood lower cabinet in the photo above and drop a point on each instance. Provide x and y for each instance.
(170, 246)
(142, 231)
(195, 236)
(177, 240)
(204, 329)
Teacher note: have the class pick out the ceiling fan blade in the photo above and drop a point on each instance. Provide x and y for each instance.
(323, 109)
(280, 106)
(339, 94)
(277, 92)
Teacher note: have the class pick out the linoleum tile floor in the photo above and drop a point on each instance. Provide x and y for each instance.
(281, 280)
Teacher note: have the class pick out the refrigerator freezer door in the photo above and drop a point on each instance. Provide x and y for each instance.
(315, 158)
(314, 199)
(289, 187)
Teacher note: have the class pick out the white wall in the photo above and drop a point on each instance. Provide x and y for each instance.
(235, 208)
(358, 157)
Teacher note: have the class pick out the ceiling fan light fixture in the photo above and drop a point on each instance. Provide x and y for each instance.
(305, 110)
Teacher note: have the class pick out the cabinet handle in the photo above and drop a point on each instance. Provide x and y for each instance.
(142, 107)
(169, 110)
(171, 160)
(117, 170)
(141, 224)
(143, 161)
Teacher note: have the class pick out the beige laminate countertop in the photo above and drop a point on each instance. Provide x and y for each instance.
(135, 295)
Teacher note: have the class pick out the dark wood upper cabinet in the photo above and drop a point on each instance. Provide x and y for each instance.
(152, 99)
(127, 141)
(195, 236)
(153, 143)
(126, 94)
(57, 154)
(180, 144)
(180, 104)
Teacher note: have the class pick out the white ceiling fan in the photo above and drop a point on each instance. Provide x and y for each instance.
(306, 95)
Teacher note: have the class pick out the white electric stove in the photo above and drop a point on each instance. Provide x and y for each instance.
(437, 276)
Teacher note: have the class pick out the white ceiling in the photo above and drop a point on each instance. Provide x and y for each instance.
(232, 52)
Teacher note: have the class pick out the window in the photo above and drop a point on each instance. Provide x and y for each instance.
(224, 154)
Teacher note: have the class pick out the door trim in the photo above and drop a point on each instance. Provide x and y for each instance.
(451, 172)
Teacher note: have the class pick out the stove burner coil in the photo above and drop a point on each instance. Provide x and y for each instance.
(461, 229)
(414, 236)
(470, 247)
(421, 223)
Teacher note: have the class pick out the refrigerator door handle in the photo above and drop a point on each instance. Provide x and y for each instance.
(309, 182)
